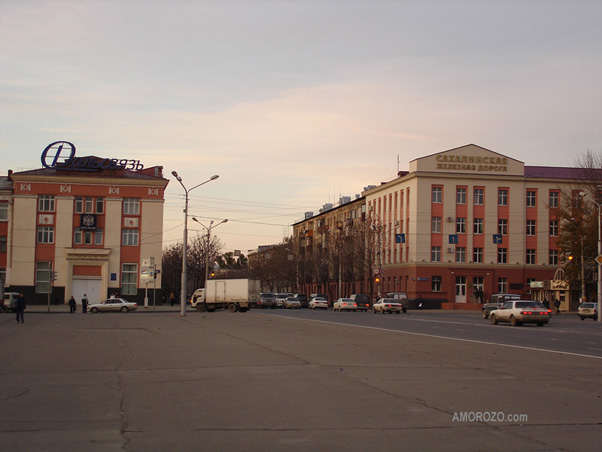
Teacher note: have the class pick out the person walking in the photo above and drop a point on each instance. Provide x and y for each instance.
(72, 304)
(557, 306)
(20, 308)
(85, 304)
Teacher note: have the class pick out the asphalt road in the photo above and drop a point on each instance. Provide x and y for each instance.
(264, 381)
(565, 332)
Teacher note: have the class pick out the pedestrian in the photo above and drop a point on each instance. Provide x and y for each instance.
(172, 298)
(546, 303)
(557, 306)
(85, 304)
(20, 308)
(72, 304)
(112, 296)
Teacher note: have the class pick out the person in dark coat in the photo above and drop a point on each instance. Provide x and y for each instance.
(72, 304)
(557, 306)
(85, 304)
(20, 308)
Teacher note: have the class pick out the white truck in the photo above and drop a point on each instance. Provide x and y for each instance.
(232, 294)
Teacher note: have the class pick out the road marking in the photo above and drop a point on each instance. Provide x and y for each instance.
(440, 337)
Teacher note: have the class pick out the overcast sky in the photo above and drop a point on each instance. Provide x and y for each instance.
(295, 102)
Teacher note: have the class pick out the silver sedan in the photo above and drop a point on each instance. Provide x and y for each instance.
(113, 304)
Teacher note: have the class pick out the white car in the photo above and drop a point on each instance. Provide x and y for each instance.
(344, 304)
(113, 304)
(390, 305)
(518, 312)
(292, 303)
(318, 303)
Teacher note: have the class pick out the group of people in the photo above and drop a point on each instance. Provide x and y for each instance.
(73, 304)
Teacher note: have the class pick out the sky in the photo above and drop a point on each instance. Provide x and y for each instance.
(295, 103)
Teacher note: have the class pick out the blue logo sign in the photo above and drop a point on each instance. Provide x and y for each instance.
(497, 239)
(453, 239)
(58, 153)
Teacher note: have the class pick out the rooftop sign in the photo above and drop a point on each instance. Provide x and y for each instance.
(61, 155)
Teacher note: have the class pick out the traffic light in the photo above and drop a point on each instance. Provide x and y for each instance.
(569, 258)
(377, 279)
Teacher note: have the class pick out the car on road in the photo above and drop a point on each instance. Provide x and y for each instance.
(318, 303)
(588, 310)
(344, 304)
(517, 312)
(292, 303)
(302, 299)
(267, 300)
(113, 305)
(362, 301)
(496, 301)
(280, 297)
(390, 305)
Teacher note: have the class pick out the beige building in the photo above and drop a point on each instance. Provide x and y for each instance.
(459, 223)
(86, 226)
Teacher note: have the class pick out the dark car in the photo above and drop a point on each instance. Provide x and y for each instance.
(302, 299)
(267, 300)
(362, 301)
(496, 301)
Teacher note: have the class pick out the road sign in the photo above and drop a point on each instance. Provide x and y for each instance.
(599, 259)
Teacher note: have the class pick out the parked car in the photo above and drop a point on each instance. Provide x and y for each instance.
(280, 297)
(344, 304)
(496, 301)
(318, 303)
(8, 304)
(390, 305)
(113, 304)
(362, 301)
(292, 303)
(267, 300)
(302, 299)
(518, 312)
(588, 310)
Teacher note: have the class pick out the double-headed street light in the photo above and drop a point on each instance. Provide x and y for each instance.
(185, 247)
(211, 226)
(599, 257)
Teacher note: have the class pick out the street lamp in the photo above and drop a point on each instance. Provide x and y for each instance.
(211, 226)
(185, 247)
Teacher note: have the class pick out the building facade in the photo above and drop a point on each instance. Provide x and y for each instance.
(459, 223)
(90, 226)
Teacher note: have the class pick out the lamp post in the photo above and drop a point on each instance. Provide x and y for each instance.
(185, 245)
(211, 226)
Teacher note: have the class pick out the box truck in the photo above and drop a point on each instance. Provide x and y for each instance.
(232, 294)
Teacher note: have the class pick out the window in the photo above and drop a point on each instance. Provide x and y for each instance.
(436, 254)
(554, 195)
(460, 195)
(437, 195)
(98, 236)
(553, 228)
(89, 205)
(477, 255)
(436, 284)
(131, 206)
(3, 276)
(79, 204)
(3, 211)
(478, 226)
(129, 279)
(460, 225)
(100, 205)
(3, 244)
(460, 254)
(43, 277)
(46, 203)
(530, 257)
(478, 196)
(502, 285)
(502, 256)
(553, 257)
(45, 234)
(502, 227)
(130, 237)
(502, 197)
(531, 198)
(531, 227)
(436, 224)
(577, 200)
